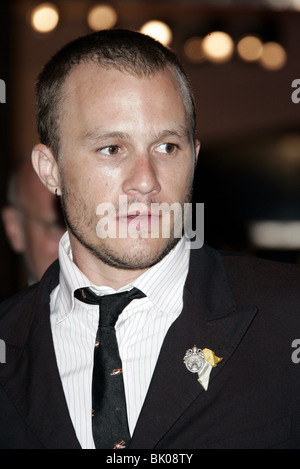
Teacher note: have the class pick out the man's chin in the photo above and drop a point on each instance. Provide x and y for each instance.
(134, 254)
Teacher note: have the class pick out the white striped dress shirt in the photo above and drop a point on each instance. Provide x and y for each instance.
(140, 330)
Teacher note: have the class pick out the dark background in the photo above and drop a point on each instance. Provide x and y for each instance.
(249, 166)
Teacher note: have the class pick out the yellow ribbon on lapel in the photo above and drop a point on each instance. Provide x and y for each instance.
(210, 357)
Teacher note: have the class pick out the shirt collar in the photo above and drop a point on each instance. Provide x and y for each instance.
(166, 276)
(157, 282)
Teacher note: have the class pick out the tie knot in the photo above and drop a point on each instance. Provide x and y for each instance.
(111, 306)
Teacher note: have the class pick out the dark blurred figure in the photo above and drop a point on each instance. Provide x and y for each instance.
(32, 220)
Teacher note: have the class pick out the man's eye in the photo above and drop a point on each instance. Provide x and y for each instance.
(110, 150)
(168, 148)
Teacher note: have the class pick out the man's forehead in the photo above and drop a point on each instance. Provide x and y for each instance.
(90, 86)
(90, 81)
(81, 74)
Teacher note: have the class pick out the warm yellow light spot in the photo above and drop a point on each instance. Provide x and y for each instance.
(44, 17)
(102, 17)
(218, 46)
(273, 56)
(158, 30)
(250, 48)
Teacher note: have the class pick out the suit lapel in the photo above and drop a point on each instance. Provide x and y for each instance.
(209, 319)
(31, 377)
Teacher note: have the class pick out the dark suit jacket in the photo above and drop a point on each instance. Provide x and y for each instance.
(246, 310)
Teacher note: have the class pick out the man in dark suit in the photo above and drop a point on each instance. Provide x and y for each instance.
(207, 352)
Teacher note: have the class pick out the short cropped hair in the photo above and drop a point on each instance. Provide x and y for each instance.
(124, 50)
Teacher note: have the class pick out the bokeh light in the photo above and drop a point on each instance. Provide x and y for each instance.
(102, 17)
(158, 30)
(273, 56)
(250, 48)
(193, 49)
(44, 17)
(296, 4)
(218, 46)
(278, 4)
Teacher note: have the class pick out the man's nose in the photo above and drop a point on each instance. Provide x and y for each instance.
(142, 177)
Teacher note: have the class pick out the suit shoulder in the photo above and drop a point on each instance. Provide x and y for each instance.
(12, 307)
(257, 266)
(25, 300)
(257, 277)
(9, 302)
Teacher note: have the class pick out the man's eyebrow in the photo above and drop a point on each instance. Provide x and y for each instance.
(180, 132)
(96, 135)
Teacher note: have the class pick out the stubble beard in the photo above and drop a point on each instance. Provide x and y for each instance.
(137, 260)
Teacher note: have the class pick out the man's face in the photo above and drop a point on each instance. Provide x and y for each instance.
(33, 223)
(123, 136)
(42, 229)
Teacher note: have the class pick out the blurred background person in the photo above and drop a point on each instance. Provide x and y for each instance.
(32, 221)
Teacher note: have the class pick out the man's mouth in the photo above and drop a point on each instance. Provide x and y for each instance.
(144, 219)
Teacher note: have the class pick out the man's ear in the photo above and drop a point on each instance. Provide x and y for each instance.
(13, 228)
(197, 150)
(46, 167)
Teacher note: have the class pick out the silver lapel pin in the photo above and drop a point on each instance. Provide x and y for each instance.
(194, 360)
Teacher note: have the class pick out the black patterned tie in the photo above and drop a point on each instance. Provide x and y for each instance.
(109, 414)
